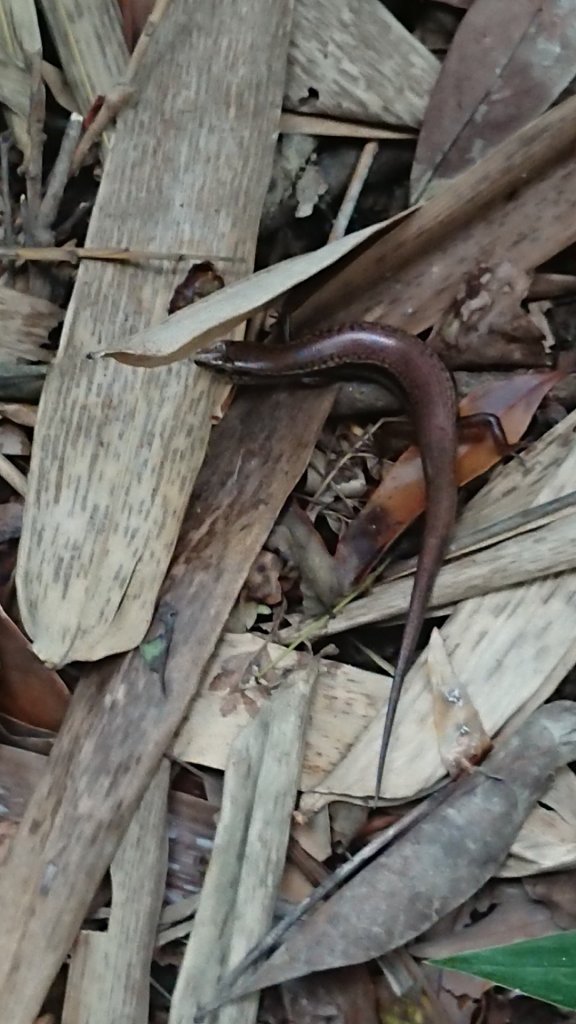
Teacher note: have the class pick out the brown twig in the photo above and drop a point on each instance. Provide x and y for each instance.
(72, 254)
(118, 98)
(122, 94)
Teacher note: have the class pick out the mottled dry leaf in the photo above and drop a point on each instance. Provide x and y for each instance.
(436, 865)
(511, 645)
(116, 451)
(499, 913)
(486, 325)
(506, 65)
(89, 43)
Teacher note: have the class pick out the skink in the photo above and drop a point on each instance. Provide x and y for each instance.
(387, 355)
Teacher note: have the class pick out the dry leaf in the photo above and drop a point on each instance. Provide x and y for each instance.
(506, 65)
(356, 76)
(89, 43)
(13, 440)
(29, 691)
(501, 913)
(521, 637)
(485, 325)
(558, 893)
(461, 736)
(433, 867)
(187, 330)
(400, 498)
(20, 50)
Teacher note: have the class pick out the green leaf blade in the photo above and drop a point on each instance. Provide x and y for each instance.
(544, 968)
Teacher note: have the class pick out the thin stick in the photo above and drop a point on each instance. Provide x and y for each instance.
(354, 451)
(58, 178)
(355, 186)
(33, 169)
(121, 95)
(71, 254)
(118, 98)
(13, 476)
(152, 22)
(311, 124)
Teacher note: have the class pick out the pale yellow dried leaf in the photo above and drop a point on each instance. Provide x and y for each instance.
(116, 450)
(20, 43)
(14, 86)
(19, 28)
(182, 334)
(345, 701)
(90, 44)
(58, 86)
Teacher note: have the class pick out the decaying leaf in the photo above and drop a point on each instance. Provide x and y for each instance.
(486, 325)
(461, 736)
(89, 42)
(29, 691)
(435, 866)
(26, 324)
(20, 53)
(117, 450)
(506, 65)
(400, 498)
(555, 818)
(499, 913)
(556, 891)
(238, 895)
(528, 179)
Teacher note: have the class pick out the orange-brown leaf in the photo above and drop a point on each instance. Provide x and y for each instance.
(29, 691)
(401, 496)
